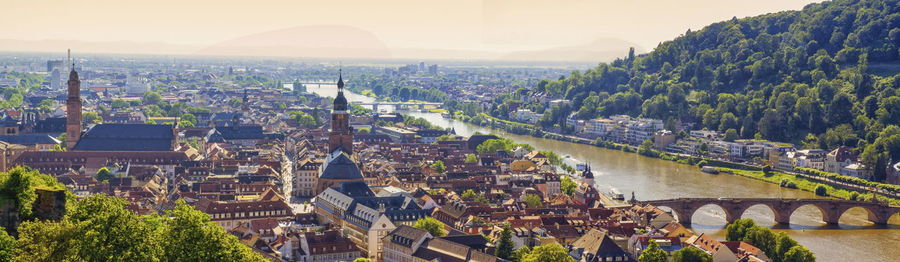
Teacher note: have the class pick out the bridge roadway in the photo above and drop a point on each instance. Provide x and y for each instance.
(783, 208)
(398, 105)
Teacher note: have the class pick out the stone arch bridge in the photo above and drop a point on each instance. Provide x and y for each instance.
(783, 208)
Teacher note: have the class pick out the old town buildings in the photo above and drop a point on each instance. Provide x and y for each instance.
(326, 191)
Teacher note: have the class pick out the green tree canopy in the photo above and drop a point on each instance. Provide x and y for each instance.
(471, 159)
(438, 166)
(92, 118)
(653, 253)
(102, 228)
(533, 200)
(548, 253)
(469, 194)
(103, 174)
(504, 245)
(433, 226)
(798, 254)
(19, 184)
(567, 185)
(7, 246)
(691, 254)
(520, 254)
(151, 98)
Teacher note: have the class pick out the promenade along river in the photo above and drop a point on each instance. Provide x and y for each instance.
(650, 178)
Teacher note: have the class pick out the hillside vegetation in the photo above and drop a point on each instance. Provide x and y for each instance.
(821, 77)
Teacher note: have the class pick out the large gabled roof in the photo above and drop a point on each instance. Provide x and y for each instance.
(127, 137)
(341, 167)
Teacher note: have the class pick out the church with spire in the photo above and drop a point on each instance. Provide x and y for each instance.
(340, 165)
(341, 136)
(343, 198)
(73, 110)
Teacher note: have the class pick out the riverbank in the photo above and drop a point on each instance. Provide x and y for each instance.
(805, 182)
(653, 178)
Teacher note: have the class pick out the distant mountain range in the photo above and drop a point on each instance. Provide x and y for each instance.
(328, 41)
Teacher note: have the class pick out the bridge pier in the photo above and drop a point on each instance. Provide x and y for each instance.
(783, 217)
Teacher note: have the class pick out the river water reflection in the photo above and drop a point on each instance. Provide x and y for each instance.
(650, 178)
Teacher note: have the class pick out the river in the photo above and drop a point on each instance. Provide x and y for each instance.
(650, 178)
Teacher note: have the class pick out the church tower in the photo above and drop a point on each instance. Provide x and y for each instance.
(341, 136)
(73, 110)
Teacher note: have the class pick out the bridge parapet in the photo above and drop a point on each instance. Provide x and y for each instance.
(782, 208)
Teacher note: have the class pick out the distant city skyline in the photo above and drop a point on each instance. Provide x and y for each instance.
(468, 29)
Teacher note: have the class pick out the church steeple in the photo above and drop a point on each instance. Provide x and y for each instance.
(341, 136)
(340, 102)
(73, 109)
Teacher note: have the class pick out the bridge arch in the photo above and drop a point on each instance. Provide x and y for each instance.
(871, 215)
(827, 216)
(729, 215)
(777, 216)
(677, 213)
(894, 216)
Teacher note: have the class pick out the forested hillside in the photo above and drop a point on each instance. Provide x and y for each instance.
(823, 77)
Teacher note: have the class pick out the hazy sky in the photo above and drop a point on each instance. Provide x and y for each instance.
(479, 25)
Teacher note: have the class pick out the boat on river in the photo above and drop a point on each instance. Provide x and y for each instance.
(615, 194)
(572, 162)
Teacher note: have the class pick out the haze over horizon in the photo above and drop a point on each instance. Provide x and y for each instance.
(569, 30)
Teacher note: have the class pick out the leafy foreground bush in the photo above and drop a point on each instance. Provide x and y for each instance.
(101, 228)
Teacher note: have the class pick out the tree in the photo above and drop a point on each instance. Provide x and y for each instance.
(109, 231)
(552, 157)
(189, 235)
(738, 229)
(438, 166)
(691, 254)
(840, 110)
(762, 238)
(471, 159)
(92, 118)
(532, 200)
(119, 103)
(151, 98)
(46, 105)
(362, 259)
(653, 253)
(646, 148)
(520, 254)
(469, 194)
(567, 186)
(306, 120)
(731, 135)
(189, 117)
(821, 190)
(548, 253)
(103, 174)
(783, 243)
(44, 240)
(433, 226)
(798, 254)
(19, 184)
(185, 124)
(505, 245)
(766, 169)
(7, 245)
(491, 146)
